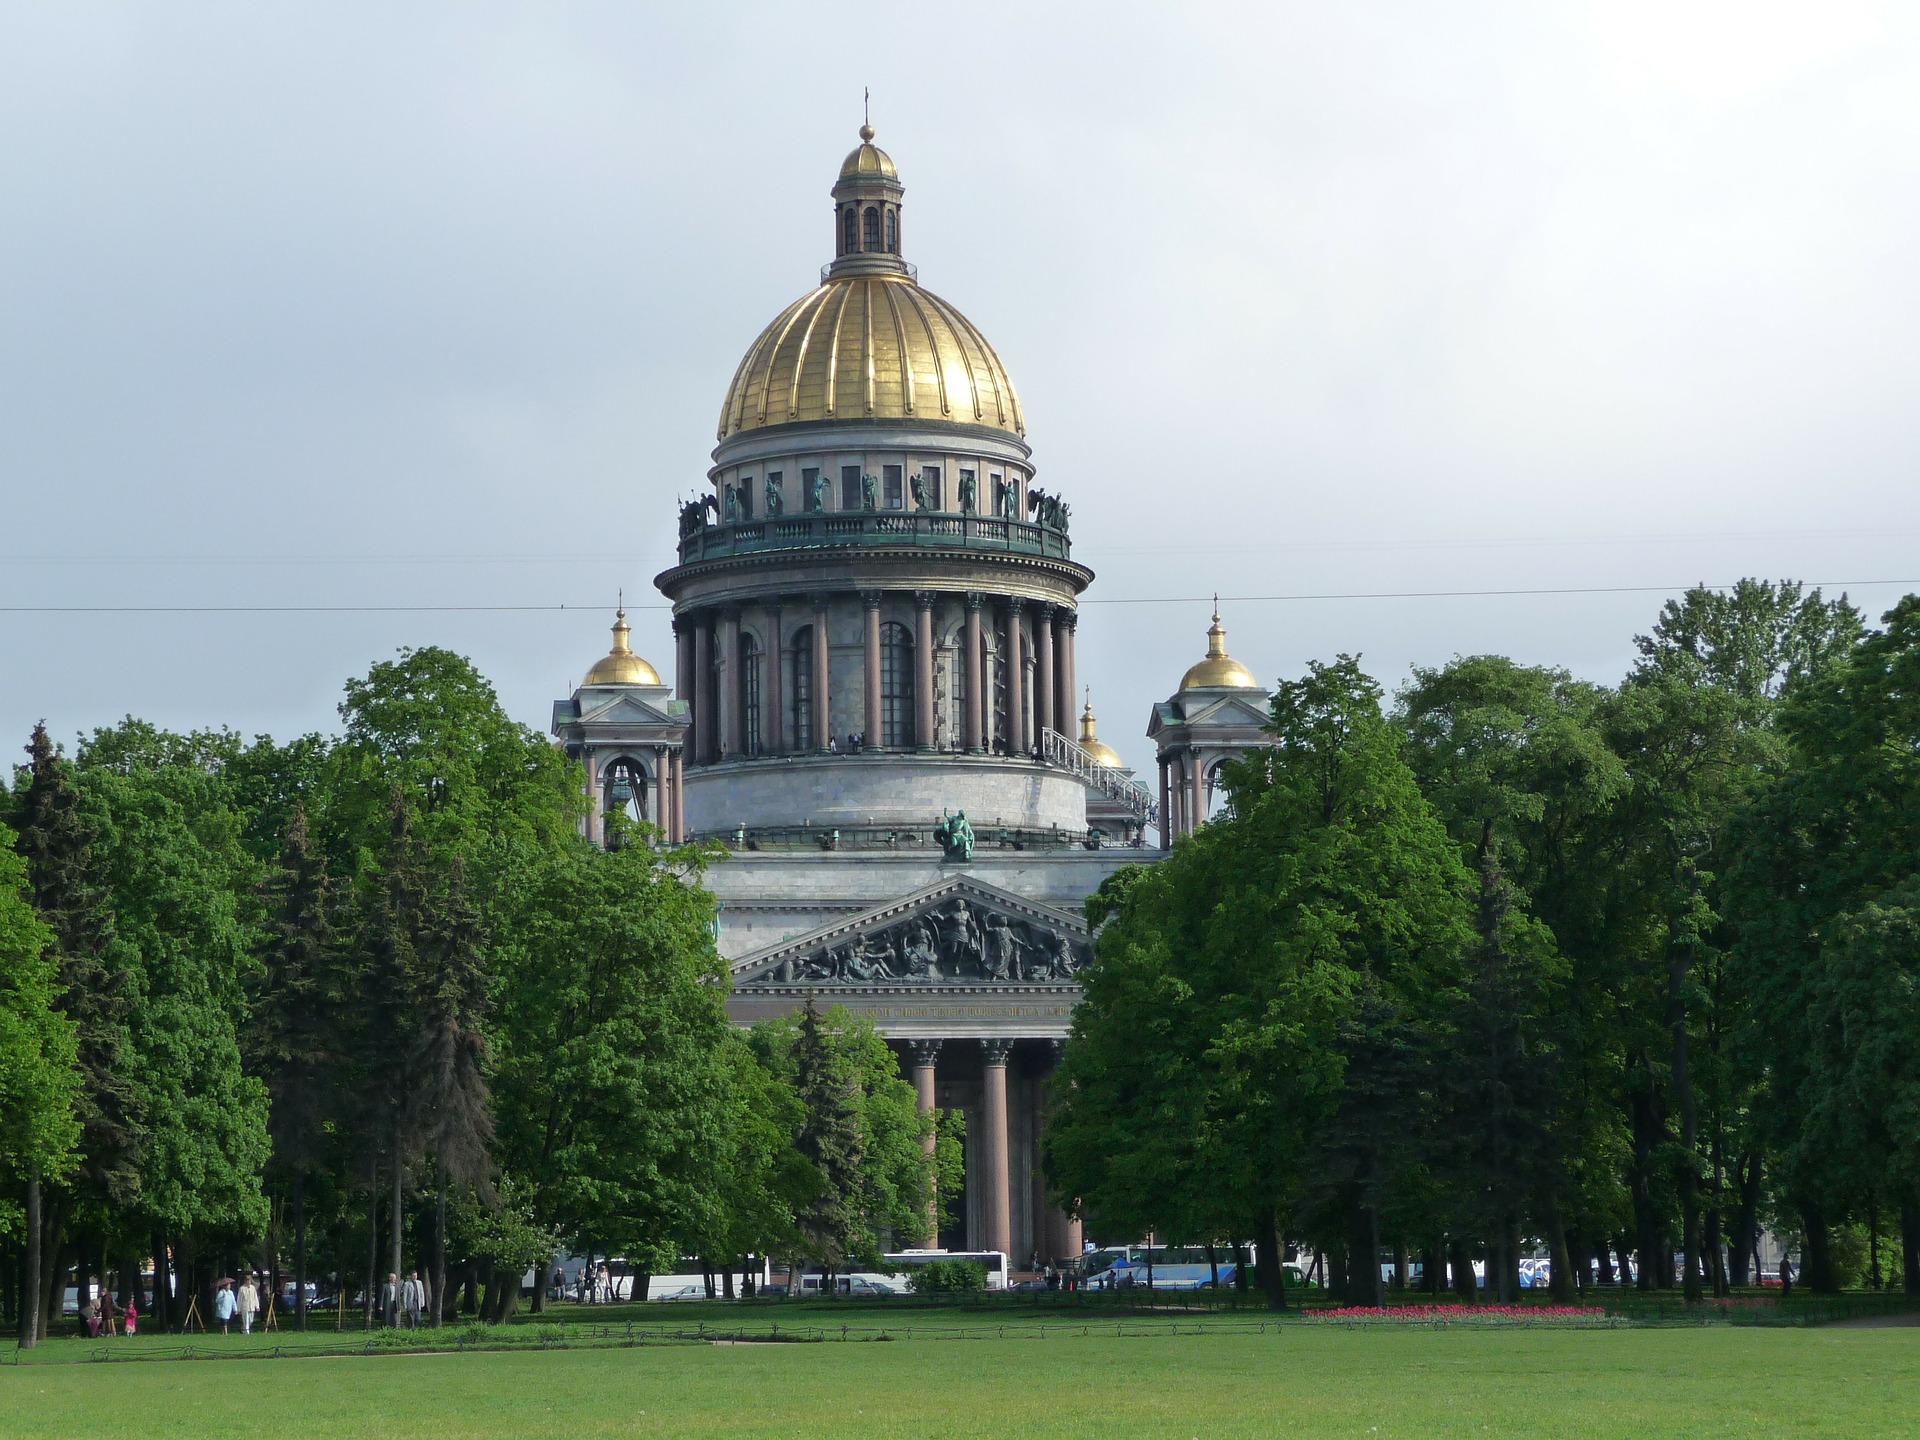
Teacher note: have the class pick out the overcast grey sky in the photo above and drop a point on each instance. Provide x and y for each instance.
(406, 304)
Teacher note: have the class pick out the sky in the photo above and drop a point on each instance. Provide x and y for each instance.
(405, 305)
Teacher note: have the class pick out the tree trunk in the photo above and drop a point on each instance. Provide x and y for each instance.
(397, 1239)
(1561, 1283)
(1433, 1267)
(1273, 1262)
(542, 1282)
(1910, 1248)
(1648, 1133)
(1746, 1221)
(1679, 962)
(1462, 1261)
(1818, 1260)
(440, 1254)
(1400, 1265)
(30, 1283)
(299, 1249)
(373, 1237)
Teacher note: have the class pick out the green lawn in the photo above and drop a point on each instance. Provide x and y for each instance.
(1031, 1381)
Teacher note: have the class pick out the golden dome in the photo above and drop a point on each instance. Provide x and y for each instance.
(867, 347)
(1219, 670)
(868, 159)
(1102, 753)
(621, 666)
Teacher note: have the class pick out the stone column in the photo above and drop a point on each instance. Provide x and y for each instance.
(923, 1054)
(658, 799)
(1067, 704)
(1197, 779)
(773, 711)
(923, 669)
(1166, 808)
(679, 830)
(1016, 661)
(703, 707)
(976, 727)
(1046, 689)
(993, 1150)
(871, 599)
(822, 699)
(732, 741)
(683, 658)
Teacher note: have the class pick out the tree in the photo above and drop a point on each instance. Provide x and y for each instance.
(39, 1078)
(1298, 951)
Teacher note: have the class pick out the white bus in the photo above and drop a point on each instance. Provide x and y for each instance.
(902, 1263)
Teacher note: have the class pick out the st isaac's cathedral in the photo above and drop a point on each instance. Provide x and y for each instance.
(873, 707)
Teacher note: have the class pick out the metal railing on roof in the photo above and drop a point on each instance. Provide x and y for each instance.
(1057, 749)
(876, 528)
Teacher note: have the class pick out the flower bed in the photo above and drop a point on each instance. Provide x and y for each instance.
(1463, 1315)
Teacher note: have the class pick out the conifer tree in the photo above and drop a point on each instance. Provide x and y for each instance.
(830, 1139)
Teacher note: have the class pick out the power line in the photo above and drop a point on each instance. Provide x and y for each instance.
(596, 606)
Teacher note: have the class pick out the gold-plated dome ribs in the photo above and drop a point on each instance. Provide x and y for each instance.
(867, 348)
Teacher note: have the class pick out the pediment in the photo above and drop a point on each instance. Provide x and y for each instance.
(626, 709)
(959, 931)
(1229, 710)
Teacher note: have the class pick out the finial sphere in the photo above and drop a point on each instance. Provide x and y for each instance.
(866, 132)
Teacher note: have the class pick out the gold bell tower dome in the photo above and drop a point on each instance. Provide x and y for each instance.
(1219, 670)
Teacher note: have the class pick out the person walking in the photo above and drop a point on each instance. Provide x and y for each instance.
(390, 1301)
(413, 1299)
(131, 1319)
(1786, 1277)
(224, 1305)
(249, 1302)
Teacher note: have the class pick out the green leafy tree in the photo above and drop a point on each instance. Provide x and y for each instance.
(40, 1082)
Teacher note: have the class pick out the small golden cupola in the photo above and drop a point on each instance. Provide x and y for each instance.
(621, 666)
(1219, 671)
(1102, 753)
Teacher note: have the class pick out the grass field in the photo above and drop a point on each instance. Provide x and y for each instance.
(982, 1377)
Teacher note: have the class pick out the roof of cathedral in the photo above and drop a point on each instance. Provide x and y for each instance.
(621, 666)
(1102, 753)
(1219, 670)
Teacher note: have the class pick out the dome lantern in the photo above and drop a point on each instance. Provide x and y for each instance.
(866, 213)
(1101, 752)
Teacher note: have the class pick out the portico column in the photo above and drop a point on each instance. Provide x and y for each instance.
(1017, 739)
(994, 1150)
(976, 676)
(661, 779)
(773, 714)
(1166, 808)
(679, 827)
(923, 669)
(1068, 700)
(1045, 686)
(683, 671)
(730, 737)
(822, 688)
(872, 598)
(1196, 778)
(923, 1054)
(703, 707)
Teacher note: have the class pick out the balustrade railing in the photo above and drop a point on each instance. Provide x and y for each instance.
(1057, 749)
(930, 528)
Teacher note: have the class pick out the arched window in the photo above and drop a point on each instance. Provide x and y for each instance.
(749, 694)
(872, 229)
(893, 233)
(896, 686)
(801, 727)
(848, 239)
(623, 791)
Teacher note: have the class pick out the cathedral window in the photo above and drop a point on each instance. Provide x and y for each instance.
(896, 686)
(625, 793)
(893, 233)
(848, 242)
(935, 499)
(850, 498)
(809, 477)
(746, 497)
(749, 695)
(892, 488)
(871, 226)
(801, 727)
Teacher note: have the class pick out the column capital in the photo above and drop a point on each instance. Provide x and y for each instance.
(1016, 603)
(976, 601)
(1045, 609)
(924, 599)
(820, 602)
(872, 598)
(996, 1052)
(1068, 616)
(924, 1053)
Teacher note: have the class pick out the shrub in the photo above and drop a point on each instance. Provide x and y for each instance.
(949, 1277)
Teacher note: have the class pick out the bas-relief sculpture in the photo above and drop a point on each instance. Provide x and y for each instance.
(953, 942)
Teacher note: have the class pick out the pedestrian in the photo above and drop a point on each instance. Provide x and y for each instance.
(1786, 1277)
(132, 1317)
(90, 1313)
(413, 1298)
(249, 1302)
(390, 1301)
(224, 1304)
